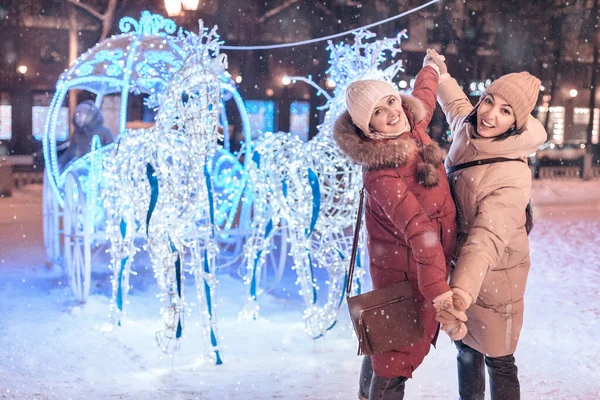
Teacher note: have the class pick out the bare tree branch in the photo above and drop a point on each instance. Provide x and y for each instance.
(109, 16)
(88, 9)
(275, 10)
(106, 19)
(322, 7)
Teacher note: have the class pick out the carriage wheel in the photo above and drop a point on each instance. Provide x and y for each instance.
(77, 241)
(51, 224)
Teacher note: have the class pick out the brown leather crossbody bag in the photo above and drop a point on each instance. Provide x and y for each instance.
(383, 319)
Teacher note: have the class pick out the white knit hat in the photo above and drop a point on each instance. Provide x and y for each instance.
(363, 96)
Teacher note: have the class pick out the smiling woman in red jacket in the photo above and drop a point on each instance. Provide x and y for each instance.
(410, 214)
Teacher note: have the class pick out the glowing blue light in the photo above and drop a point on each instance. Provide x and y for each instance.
(149, 24)
(300, 119)
(140, 60)
(262, 115)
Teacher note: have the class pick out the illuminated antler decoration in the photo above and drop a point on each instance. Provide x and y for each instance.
(311, 189)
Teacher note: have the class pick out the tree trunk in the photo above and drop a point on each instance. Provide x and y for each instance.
(73, 54)
(587, 161)
(557, 67)
(109, 17)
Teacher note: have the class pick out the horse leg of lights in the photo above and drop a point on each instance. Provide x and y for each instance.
(303, 264)
(255, 253)
(167, 263)
(122, 253)
(327, 254)
(203, 254)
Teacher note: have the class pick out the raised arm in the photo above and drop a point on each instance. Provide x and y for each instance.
(425, 89)
(454, 102)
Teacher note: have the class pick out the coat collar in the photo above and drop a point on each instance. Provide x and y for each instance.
(373, 154)
(391, 153)
(522, 145)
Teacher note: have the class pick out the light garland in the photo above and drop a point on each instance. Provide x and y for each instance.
(311, 190)
(334, 36)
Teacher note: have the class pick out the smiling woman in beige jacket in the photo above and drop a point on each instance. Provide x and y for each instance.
(492, 256)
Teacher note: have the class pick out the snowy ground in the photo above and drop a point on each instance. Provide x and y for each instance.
(51, 348)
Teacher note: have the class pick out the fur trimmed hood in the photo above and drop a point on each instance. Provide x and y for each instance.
(378, 154)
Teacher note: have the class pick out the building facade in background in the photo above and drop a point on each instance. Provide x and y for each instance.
(481, 41)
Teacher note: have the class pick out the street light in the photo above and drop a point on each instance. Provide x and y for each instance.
(573, 93)
(330, 83)
(173, 7)
(286, 80)
(191, 5)
(22, 69)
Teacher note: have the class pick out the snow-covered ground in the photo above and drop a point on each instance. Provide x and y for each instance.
(52, 348)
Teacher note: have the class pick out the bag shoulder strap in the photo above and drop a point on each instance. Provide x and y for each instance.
(485, 161)
(355, 242)
(528, 210)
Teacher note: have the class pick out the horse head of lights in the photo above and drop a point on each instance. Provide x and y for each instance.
(190, 104)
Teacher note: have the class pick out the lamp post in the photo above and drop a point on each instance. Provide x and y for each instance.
(191, 5)
(175, 7)
(283, 120)
(22, 141)
(569, 112)
(588, 172)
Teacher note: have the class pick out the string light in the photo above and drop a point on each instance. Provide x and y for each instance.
(337, 35)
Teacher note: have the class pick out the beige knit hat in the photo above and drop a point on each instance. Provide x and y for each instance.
(362, 97)
(520, 90)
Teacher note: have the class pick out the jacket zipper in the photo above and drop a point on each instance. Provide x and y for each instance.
(383, 305)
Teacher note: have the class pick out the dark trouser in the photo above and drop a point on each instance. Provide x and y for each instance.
(504, 381)
(373, 387)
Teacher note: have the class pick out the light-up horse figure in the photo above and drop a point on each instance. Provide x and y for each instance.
(160, 188)
(311, 190)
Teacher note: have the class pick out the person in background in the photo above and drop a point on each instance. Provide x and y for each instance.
(88, 121)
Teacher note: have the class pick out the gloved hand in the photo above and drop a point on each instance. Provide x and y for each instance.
(435, 60)
(452, 319)
(456, 331)
(461, 299)
(444, 306)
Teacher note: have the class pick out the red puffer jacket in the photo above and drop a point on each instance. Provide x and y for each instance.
(410, 214)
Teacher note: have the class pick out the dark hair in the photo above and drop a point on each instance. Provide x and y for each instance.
(472, 119)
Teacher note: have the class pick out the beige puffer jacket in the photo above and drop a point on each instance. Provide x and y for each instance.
(493, 248)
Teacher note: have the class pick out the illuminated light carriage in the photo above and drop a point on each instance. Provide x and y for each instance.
(138, 61)
(305, 201)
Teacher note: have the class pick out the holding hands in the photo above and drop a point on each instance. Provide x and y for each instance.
(450, 310)
(435, 60)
